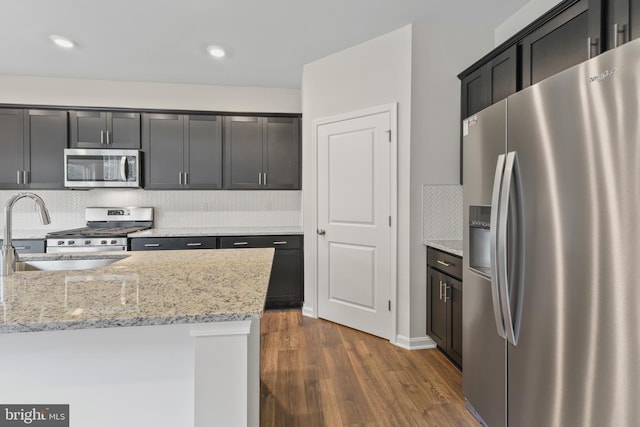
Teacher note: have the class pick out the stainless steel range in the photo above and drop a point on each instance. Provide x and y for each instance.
(106, 230)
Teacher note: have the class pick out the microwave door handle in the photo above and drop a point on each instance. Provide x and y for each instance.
(494, 241)
(123, 168)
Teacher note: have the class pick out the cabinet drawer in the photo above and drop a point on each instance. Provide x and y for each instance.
(278, 242)
(444, 262)
(28, 246)
(173, 243)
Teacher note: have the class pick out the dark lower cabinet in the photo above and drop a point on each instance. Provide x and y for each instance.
(173, 243)
(444, 302)
(286, 282)
(28, 246)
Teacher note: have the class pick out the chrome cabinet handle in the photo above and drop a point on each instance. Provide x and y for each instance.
(441, 290)
(194, 244)
(281, 242)
(26, 177)
(446, 289)
(101, 137)
(446, 264)
(264, 180)
(616, 33)
(321, 232)
(259, 178)
(186, 178)
(152, 245)
(19, 179)
(240, 243)
(590, 45)
(108, 137)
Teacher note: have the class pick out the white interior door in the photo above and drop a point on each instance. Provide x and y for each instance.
(354, 222)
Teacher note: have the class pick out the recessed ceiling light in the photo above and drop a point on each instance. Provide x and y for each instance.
(216, 51)
(62, 41)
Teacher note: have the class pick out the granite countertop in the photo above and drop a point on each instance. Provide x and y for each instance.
(142, 288)
(217, 231)
(454, 247)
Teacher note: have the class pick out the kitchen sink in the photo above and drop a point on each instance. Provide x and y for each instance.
(79, 263)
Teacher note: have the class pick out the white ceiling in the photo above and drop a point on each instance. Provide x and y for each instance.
(268, 41)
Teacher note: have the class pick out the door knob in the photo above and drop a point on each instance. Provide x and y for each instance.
(321, 232)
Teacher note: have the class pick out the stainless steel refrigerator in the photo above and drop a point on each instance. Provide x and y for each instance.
(551, 301)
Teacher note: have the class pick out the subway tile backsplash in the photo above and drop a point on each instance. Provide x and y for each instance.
(442, 212)
(173, 209)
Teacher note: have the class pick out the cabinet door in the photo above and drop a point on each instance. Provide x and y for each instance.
(476, 93)
(124, 130)
(556, 45)
(634, 19)
(28, 246)
(281, 153)
(12, 146)
(243, 152)
(623, 21)
(285, 284)
(436, 308)
(454, 315)
(88, 129)
(46, 140)
(503, 74)
(203, 152)
(163, 146)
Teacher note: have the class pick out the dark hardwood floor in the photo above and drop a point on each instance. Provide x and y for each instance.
(318, 373)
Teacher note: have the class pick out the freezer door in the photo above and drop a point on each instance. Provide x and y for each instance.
(484, 139)
(577, 137)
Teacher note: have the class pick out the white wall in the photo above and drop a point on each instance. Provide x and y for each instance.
(373, 73)
(526, 15)
(435, 131)
(103, 93)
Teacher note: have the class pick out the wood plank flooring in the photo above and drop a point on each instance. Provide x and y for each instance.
(318, 373)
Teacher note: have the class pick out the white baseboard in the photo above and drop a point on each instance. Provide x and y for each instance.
(418, 343)
(308, 311)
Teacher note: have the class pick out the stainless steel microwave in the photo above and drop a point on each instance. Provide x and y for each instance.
(88, 168)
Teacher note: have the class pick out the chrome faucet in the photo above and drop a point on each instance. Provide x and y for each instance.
(8, 251)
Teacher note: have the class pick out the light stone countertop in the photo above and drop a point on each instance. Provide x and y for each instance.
(454, 247)
(143, 288)
(217, 231)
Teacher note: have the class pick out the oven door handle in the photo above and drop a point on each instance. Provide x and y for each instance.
(123, 168)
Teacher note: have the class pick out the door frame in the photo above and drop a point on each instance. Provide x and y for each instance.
(310, 307)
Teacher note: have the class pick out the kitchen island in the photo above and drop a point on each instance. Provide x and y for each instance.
(165, 338)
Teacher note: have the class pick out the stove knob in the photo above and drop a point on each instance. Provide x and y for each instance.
(103, 242)
(72, 242)
(87, 242)
(60, 242)
(114, 242)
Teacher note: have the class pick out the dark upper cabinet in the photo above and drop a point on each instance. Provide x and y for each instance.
(12, 146)
(262, 153)
(490, 83)
(558, 44)
(182, 151)
(104, 129)
(32, 144)
(613, 23)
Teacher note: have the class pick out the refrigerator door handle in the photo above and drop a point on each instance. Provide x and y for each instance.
(510, 186)
(493, 251)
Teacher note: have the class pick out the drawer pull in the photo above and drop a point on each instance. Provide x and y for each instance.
(240, 243)
(152, 245)
(21, 248)
(281, 242)
(446, 264)
(194, 244)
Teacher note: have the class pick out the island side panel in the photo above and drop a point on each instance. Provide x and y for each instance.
(227, 373)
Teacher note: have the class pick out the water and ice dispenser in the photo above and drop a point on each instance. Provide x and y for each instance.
(480, 240)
